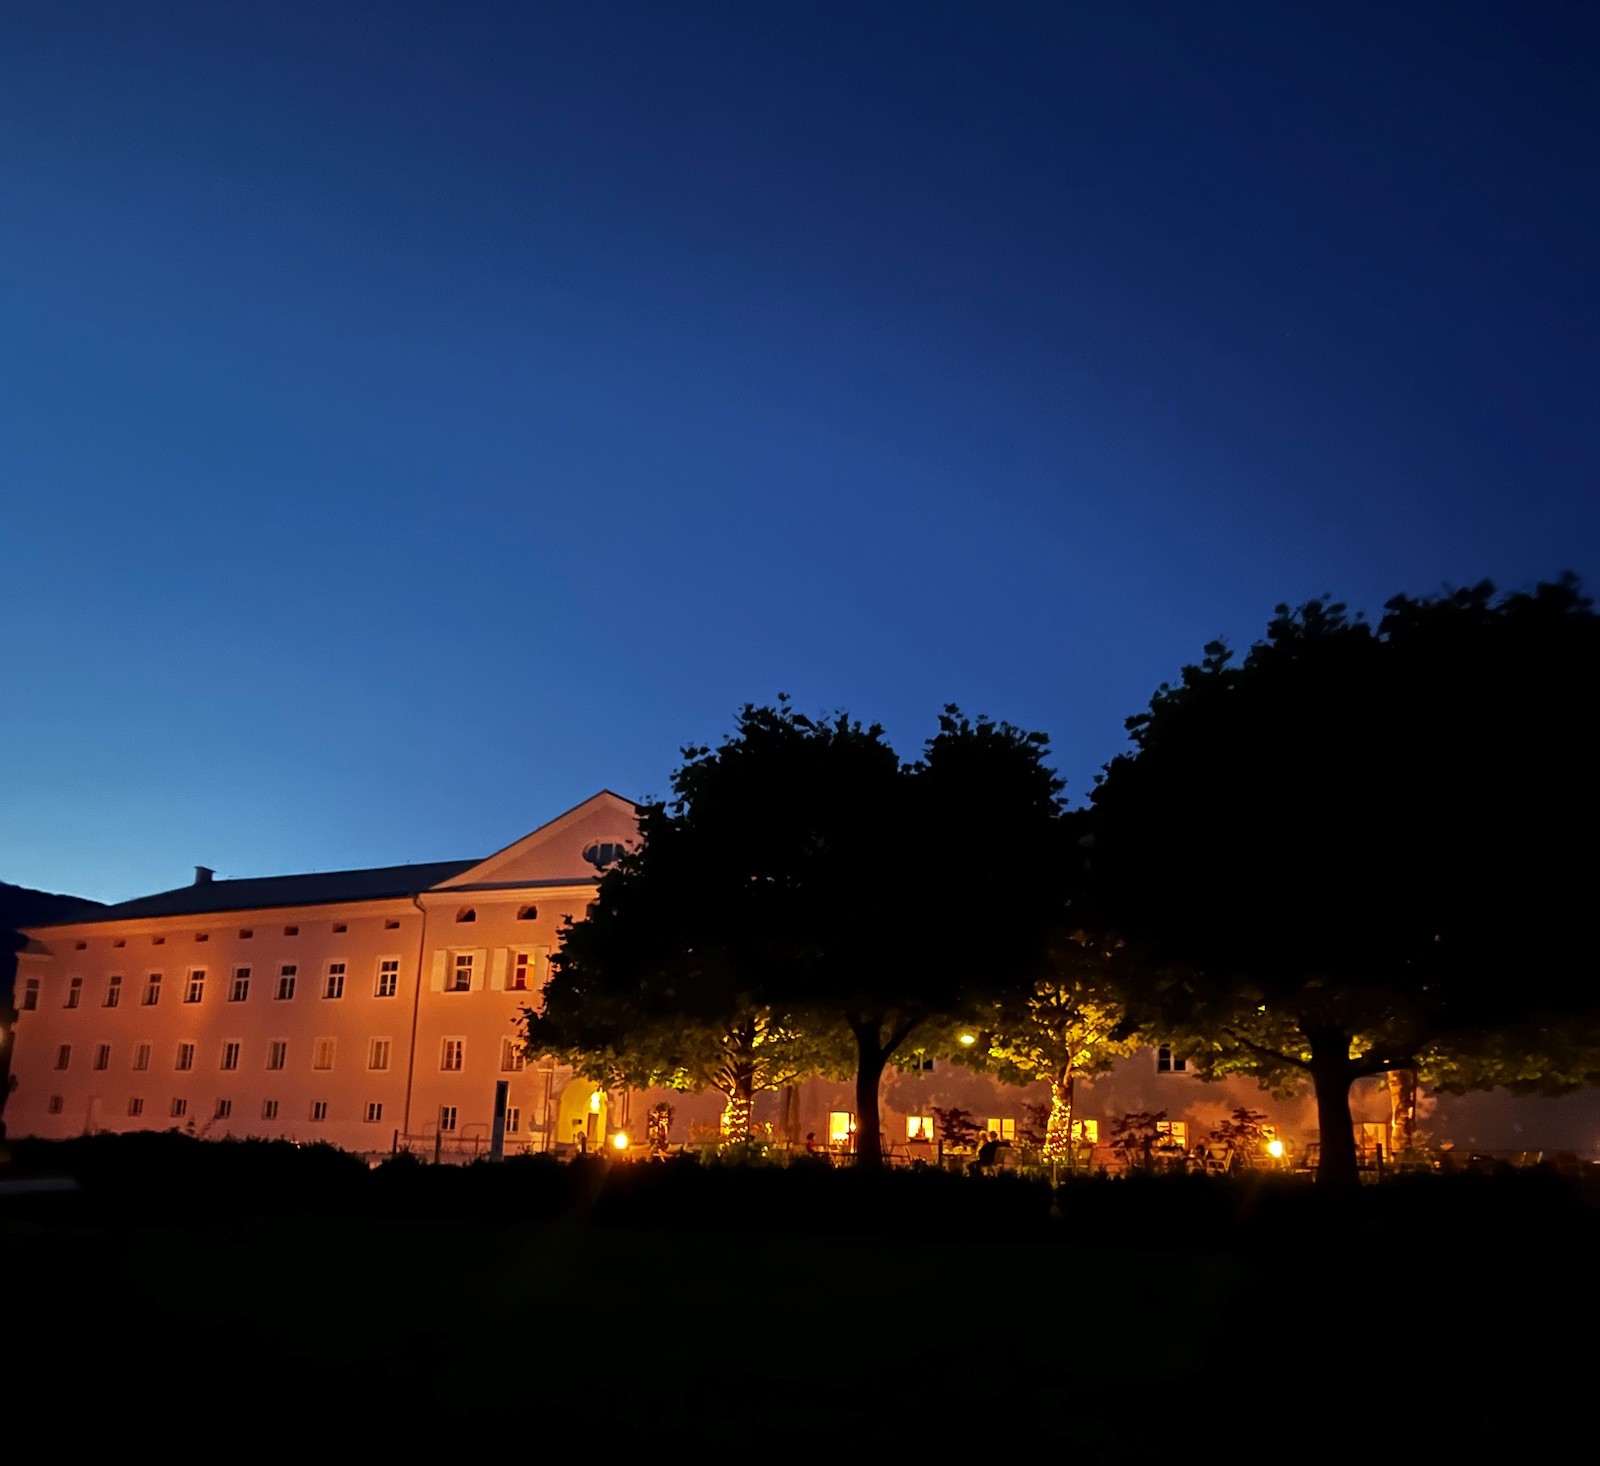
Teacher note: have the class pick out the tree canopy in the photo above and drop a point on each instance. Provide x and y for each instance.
(1363, 848)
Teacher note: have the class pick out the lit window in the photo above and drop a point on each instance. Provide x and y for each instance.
(277, 1053)
(374, 1112)
(451, 1054)
(919, 1127)
(152, 990)
(30, 995)
(447, 1117)
(1169, 1063)
(322, 1054)
(1002, 1129)
(286, 978)
(512, 1058)
(230, 1055)
(1175, 1131)
(334, 986)
(841, 1127)
(141, 1056)
(64, 1056)
(136, 1106)
(180, 1108)
(388, 977)
(239, 989)
(113, 991)
(319, 1109)
(513, 1119)
(224, 1110)
(461, 973)
(466, 914)
(185, 1057)
(57, 1104)
(196, 987)
(378, 1054)
(1086, 1131)
(102, 1056)
(74, 992)
(269, 1109)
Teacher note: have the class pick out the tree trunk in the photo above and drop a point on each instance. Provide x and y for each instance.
(870, 1061)
(1402, 1111)
(1332, 1075)
(739, 1111)
(1058, 1132)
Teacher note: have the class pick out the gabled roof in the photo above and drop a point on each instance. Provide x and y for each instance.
(560, 850)
(322, 888)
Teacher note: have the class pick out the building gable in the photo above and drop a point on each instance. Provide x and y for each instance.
(572, 848)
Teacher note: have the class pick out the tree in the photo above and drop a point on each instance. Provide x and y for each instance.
(1069, 1024)
(1367, 848)
(803, 872)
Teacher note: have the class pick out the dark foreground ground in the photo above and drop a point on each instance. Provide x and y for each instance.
(254, 1300)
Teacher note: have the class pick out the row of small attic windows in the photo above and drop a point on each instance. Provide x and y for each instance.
(467, 913)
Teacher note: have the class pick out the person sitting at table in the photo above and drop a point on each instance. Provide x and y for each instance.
(987, 1154)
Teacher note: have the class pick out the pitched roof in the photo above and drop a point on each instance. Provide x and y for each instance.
(322, 888)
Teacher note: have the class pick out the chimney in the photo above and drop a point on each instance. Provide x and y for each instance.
(203, 874)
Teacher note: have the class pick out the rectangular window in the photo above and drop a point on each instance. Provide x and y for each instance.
(185, 1056)
(1087, 1132)
(277, 1052)
(113, 991)
(1003, 1129)
(102, 1056)
(224, 1110)
(286, 976)
(513, 1119)
(269, 1109)
(841, 1127)
(180, 1108)
(512, 1058)
(230, 1055)
(378, 1054)
(239, 988)
(333, 986)
(450, 1056)
(322, 1054)
(57, 1104)
(447, 1118)
(521, 971)
(319, 1109)
(195, 989)
(374, 1112)
(1169, 1063)
(461, 973)
(30, 995)
(64, 1056)
(136, 1106)
(919, 1127)
(74, 992)
(152, 990)
(141, 1056)
(388, 977)
(1175, 1131)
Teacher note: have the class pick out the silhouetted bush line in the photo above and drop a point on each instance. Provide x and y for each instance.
(165, 1176)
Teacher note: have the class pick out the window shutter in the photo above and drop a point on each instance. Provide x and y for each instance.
(479, 977)
(541, 966)
(497, 970)
(436, 982)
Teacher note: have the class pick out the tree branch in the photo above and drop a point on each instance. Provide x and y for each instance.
(1265, 1052)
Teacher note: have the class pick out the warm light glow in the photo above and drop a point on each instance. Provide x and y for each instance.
(968, 1039)
(1275, 1149)
(594, 1103)
(841, 1126)
(619, 1141)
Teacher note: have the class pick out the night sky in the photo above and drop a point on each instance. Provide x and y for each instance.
(414, 418)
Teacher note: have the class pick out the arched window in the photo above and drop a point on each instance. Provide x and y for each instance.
(528, 913)
(466, 914)
(602, 853)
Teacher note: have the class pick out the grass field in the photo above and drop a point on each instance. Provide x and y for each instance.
(293, 1304)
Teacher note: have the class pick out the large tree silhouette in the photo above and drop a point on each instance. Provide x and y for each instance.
(804, 875)
(1363, 849)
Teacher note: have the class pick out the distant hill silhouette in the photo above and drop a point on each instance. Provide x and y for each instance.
(21, 907)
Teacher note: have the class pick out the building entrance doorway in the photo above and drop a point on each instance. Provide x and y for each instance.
(581, 1118)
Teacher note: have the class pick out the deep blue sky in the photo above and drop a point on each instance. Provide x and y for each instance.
(416, 417)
